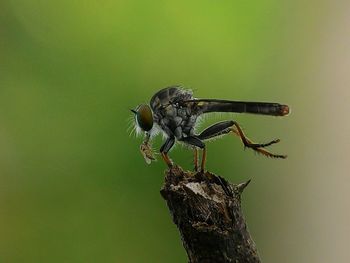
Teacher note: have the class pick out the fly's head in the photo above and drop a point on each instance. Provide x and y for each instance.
(144, 123)
(143, 117)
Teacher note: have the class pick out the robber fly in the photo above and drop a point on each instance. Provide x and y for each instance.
(174, 112)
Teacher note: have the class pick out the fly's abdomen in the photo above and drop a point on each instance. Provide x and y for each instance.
(264, 108)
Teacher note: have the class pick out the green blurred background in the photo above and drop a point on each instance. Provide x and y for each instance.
(73, 185)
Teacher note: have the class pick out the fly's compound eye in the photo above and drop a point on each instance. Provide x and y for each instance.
(144, 117)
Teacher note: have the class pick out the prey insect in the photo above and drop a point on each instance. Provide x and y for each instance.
(174, 112)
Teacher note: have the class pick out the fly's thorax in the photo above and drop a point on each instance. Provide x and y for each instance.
(174, 117)
(189, 125)
(170, 95)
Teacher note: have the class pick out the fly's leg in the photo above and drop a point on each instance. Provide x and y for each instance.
(195, 155)
(255, 146)
(167, 160)
(225, 127)
(169, 143)
(204, 159)
(195, 141)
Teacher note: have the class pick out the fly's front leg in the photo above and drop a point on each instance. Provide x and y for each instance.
(169, 143)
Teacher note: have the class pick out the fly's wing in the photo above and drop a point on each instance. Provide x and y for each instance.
(212, 105)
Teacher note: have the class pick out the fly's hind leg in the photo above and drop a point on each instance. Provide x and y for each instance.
(225, 127)
(255, 146)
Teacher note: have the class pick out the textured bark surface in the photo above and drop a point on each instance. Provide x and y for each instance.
(207, 211)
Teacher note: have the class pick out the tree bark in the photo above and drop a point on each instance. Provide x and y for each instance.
(207, 211)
